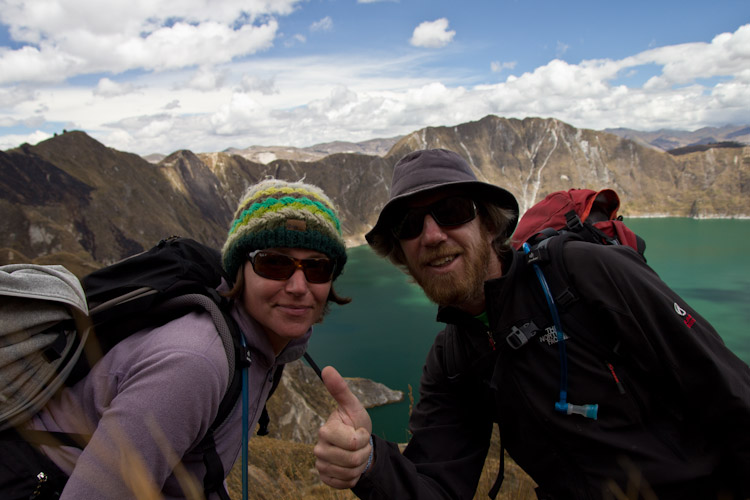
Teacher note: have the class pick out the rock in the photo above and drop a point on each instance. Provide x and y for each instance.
(301, 403)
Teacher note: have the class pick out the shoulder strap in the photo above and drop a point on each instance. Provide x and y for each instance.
(264, 418)
(549, 253)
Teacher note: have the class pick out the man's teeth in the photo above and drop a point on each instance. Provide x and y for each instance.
(442, 261)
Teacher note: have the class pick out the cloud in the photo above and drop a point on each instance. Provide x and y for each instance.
(15, 140)
(207, 79)
(265, 86)
(108, 88)
(432, 34)
(15, 95)
(65, 38)
(497, 66)
(727, 54)
(295, 39)
(325, 24)
(561, 48)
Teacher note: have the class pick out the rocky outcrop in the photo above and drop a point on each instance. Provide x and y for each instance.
(301, 404)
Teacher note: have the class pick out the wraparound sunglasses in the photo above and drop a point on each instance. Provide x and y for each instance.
(446, 212)
(276, 266)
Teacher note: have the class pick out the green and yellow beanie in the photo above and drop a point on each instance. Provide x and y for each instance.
(275, 214)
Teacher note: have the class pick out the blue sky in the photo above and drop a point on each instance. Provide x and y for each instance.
(205, 75)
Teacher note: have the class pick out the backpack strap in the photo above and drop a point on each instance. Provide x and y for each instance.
(264, 418)
(549, 253)
(238, 359)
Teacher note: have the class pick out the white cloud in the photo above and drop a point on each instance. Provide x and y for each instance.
(265, 86)
(15, 140)
(432, 34)
(64, 38)
(207, 79)
(325, 24)
(12, 96)
(295, 39)
(109, 88)
(497, 66)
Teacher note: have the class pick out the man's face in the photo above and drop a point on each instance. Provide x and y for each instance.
(451, 263)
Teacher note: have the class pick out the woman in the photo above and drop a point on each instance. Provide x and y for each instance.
(150, 400)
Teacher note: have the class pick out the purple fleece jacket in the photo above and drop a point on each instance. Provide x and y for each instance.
(149, 401)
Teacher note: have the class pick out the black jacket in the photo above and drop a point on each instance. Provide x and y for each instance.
(674, 402)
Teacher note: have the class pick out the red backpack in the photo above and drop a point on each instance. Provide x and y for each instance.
(591, 214)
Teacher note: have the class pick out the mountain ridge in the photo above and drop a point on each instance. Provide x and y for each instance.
(93, 205)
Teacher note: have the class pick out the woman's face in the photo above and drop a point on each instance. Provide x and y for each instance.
(286, 309)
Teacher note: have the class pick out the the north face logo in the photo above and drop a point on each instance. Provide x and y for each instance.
(550, 336)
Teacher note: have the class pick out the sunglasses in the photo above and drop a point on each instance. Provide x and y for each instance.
(280, 267)
(446, 212)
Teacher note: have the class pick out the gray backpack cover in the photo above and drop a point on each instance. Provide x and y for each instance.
(43, 327)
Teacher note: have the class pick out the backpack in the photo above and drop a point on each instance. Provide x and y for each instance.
(55, 328)
(576, 214)
(590, 214)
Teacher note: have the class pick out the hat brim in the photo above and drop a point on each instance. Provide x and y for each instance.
(480, 191)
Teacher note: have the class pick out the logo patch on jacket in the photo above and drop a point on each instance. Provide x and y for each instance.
(688, 319)
(550, 336)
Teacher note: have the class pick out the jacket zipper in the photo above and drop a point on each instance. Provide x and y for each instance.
(615, 377)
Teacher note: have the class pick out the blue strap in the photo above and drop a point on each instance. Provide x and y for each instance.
(562, 406)
(245, 423)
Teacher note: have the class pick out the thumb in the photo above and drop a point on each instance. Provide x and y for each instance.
(349, 405)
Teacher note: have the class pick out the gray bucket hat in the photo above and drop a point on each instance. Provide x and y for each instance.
(434, 170)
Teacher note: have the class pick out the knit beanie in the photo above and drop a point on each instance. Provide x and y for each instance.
(279, 214)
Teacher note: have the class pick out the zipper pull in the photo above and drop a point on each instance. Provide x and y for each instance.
(491, 339)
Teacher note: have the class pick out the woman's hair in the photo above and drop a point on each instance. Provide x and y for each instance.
(238, 289)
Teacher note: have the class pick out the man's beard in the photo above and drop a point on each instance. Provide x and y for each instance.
(453, 289)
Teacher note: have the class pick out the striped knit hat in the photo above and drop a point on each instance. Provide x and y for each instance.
(279, 214)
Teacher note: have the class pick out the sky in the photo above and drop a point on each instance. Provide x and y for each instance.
(157, 76)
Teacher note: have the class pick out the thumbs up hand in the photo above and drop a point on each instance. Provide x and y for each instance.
(343, 447)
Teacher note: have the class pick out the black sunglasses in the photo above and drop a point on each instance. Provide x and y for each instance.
(446, 212)
(276, 266)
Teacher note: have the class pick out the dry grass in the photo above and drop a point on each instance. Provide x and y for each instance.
(284, 470)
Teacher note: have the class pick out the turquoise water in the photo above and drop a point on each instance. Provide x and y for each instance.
(386, 331)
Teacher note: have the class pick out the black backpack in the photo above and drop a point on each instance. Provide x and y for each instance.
(174, 277)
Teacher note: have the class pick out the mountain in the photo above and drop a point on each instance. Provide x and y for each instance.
(533, 157)
(267, 154)
(72, 200)
(666, 140)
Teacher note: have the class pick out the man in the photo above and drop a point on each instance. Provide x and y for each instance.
(673, 401)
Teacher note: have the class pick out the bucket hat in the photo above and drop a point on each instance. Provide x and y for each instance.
(432, 170)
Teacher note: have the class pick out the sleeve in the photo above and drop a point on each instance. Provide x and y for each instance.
(673, 342)
(450, 438)
(163, 406)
